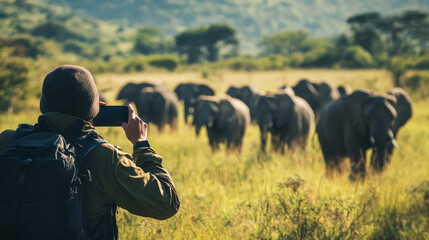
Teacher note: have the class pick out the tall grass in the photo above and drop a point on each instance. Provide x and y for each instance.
(254, 196)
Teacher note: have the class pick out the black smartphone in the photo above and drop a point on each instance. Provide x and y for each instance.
(111, 116)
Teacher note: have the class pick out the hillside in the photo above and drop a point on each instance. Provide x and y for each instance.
(252, 19)
(34, 29)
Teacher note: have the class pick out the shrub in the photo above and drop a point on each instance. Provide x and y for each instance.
(13, 82)
(274, 62)
(246, 64)
(135, 65)
(168, 62)
(422, 62)
(24, 46)
(356, 57)
(54, 29)
(74, 46)
(418, 85)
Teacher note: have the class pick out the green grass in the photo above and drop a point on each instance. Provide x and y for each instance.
(254, 196)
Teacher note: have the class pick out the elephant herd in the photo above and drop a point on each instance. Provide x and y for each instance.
(348, 123)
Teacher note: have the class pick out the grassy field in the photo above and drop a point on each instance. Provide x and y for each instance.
(273, 196)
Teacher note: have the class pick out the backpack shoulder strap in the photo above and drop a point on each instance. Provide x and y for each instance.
(87, 143)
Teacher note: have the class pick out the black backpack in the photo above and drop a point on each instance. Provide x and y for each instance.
(40, 184)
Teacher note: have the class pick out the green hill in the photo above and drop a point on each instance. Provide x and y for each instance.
(252, 19)
(34, 28)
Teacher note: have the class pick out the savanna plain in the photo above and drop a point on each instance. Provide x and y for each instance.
(250, 195)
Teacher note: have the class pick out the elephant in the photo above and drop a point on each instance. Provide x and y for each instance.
(344, 90)
(248, 94)
(353, 124)
(154, 102)
(225, 118)
(287, 117)
(157, 106)
(189, 92)
(317, 95)
(131, 90)
(404, 110)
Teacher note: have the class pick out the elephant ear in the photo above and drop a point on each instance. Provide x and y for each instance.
(225, 112)
(306, 90)
(285, 108)
(233, 92)
(128, 92)
(381, 102)
(205, 90)
(328, 92)
(159, 102)
(355, 105)
(179, 90)
(247, 92)
(403, 107)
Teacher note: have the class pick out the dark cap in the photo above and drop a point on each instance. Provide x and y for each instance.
(71, 90)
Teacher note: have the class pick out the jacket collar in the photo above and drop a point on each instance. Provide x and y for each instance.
(55, 121)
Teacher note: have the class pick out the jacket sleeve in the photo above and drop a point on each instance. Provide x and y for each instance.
(142, 185)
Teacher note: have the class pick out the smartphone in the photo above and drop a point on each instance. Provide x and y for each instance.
(111, 116)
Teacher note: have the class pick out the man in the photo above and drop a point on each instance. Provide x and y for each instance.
(137, 183)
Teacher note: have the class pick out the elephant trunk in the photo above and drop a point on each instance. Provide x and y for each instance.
(187, 106)
(382, 148)
(197, 129)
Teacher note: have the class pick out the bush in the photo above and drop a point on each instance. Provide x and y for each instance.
(135, 65)
(418, 85)
(74, 46)
(168, 62)
(24, 46)
(356, 57)
(54, 29)
(274, 62)
(13, 82)
(238, 64)
(422, 62)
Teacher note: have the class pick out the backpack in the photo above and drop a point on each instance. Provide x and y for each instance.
(40, 184)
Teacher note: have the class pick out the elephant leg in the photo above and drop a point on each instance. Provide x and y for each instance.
(277, 142)
(389, 152)
(230, 145)
(358, 165)
(186, 111)
(161, 127)
(331, 166)
(264, 135)
(214, 145)
(213, 139)
(173, 124)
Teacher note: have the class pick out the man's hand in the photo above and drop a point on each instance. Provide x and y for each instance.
(135, 129)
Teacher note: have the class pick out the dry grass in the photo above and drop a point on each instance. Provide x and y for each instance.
(251, 196)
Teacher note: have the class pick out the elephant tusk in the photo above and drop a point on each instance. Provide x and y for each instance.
(372, 139)
(394, 143)
(210, 124)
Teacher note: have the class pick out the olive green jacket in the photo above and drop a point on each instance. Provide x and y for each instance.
(138, 183)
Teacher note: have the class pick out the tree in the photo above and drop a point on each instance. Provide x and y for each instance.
(148, 40)
(402, 35)
(285, 43)
(365, 31)
(206, 42)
